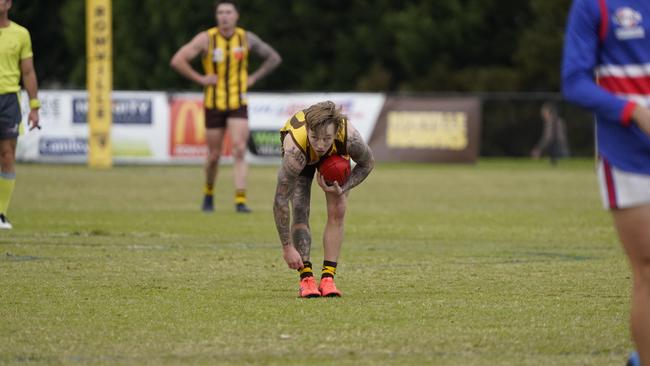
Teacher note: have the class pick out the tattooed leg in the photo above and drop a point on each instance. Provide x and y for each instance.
(300, 231)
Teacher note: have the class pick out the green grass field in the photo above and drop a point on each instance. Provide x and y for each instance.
(507, 262)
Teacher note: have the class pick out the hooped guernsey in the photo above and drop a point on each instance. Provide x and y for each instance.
(228, 59)
(297, 129)
(612, 39)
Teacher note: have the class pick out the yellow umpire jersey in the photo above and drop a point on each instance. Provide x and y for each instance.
(15, 45)
(228, 59)
(297, 129)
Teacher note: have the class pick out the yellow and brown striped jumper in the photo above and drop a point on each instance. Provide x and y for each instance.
(228, 59)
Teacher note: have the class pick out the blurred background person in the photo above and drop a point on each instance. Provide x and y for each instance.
(224, 52)
(553, 141)
(16, 62)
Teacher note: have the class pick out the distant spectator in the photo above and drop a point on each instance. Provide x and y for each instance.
(554, 141)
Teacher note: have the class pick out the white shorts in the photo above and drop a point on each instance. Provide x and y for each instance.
(620, 189)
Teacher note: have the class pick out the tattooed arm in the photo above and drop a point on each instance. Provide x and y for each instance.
(362, 155)
(293, 161)
(271, 57)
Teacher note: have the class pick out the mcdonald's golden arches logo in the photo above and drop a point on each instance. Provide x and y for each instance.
(187, 137)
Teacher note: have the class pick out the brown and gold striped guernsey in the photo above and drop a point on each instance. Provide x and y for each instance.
(228, 59)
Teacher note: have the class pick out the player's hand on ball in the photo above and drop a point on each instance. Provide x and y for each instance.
(334, 188)
(292, 257)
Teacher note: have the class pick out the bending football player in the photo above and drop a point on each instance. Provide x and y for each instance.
(308, 138)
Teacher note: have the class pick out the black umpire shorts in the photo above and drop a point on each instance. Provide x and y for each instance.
(10, 116)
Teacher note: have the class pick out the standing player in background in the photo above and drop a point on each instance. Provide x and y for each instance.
(16, 61)
(611, 40)
(309, 136)
(224, 50)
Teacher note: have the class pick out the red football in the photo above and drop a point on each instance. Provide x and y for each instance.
(335, 168)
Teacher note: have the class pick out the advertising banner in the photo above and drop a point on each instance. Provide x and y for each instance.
(187, 129)
(428, 130)
(152, 127)
(270, 111)
(267, 113)
(99, 83)
(139, 134)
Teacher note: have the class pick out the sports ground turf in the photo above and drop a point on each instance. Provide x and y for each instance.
(506, 262)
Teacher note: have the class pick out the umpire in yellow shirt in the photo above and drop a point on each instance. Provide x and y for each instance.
(16, 61)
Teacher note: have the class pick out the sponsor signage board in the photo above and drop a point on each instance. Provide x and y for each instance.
(267, 113)
(125, 110)
(99, 81)
(156, 127)
(141, 135)
(428, 130)
(187, 138)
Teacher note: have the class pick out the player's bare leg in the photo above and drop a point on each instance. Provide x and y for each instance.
(333, 235)
(332, 241)
(214, 141)
(633, 225)
(8, 155)
(238, 129)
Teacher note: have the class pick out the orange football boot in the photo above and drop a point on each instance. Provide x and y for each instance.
(308, 287)
(327, 288)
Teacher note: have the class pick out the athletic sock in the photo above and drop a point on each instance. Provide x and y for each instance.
(7, 184)
(240, 196)
(329, 269)
(208, 189)
(306, 271)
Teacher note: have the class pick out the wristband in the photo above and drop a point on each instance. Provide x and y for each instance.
(34, 103)
(626, 115)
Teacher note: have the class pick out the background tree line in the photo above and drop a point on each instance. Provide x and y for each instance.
(333, 45)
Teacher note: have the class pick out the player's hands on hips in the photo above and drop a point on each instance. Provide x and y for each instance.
(208, 80)
(292, 257)
(334, 188)
(641, 116)
(33, 119)
(251, 81)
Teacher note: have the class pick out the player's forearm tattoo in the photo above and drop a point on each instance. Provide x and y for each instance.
(362, 155)
(302, 241)
(300, 202)
(292, 164)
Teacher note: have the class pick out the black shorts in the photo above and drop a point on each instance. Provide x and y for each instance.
(309, 171)
(215, 118)
(10, 116)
